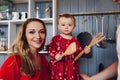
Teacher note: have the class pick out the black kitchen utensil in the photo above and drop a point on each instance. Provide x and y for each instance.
(109, 39)
(96, 39)
(96, 20)
(84, 38)
(101, 67)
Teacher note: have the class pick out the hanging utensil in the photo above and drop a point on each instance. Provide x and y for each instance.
(84, 37)
(109, 39)
(92, 24)
(96, 20)
(96, 39)
(103, 43)
(101, 67)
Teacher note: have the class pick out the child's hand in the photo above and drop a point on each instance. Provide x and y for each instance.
(87, 49)
(58, 57)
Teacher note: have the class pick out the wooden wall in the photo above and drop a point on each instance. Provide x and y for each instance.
(107, 55)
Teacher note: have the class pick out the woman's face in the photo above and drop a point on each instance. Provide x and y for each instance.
(35, 35)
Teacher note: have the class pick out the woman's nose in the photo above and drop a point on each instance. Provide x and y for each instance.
(38, 35)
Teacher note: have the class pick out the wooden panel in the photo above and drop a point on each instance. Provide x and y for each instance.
(105, 56)
(20, 1)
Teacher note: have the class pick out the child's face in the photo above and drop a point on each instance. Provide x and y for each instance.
(66, 25)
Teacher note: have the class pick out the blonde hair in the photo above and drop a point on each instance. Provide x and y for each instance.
(20, 45)
(67, 16)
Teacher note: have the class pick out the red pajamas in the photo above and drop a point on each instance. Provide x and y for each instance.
(65, 69)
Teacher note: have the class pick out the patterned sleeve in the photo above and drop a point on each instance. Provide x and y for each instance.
(79, 48)
(52, 48)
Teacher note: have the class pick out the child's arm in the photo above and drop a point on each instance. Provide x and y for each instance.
(52, 48)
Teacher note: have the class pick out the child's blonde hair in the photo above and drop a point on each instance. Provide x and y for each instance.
(67, 16)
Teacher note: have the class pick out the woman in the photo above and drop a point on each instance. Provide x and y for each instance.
(26, 63)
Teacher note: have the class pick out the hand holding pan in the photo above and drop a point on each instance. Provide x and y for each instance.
(96, 39)
(70, 49)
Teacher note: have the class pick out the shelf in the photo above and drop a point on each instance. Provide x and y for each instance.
(42, 0)
(95, 13)
(20, 1)
(43, 52)
(47, 20)
(3, 52)
(4, 22)
(6, 52)
(17, 21)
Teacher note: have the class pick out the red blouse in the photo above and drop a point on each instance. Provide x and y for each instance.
(10, 70)
(65, 69)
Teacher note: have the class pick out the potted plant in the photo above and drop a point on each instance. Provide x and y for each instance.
(6, 7)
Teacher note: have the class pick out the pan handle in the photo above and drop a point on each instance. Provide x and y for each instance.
(83, 24)
(96, 24)
(102, 20)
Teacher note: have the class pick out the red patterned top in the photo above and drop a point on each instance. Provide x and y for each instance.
(65, 69)
(10, 70)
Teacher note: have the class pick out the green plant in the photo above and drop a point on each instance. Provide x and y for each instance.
(6, 4)
(3, 8)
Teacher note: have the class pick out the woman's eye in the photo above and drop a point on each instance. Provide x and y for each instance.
(31, 32)
(42, 32)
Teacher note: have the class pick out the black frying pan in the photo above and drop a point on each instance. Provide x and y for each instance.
(85, 38)
(109, 39)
